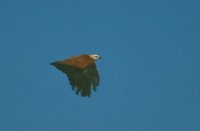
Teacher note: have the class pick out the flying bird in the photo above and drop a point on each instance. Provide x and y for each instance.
(81, 72)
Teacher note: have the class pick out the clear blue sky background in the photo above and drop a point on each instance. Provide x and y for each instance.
(149, 71)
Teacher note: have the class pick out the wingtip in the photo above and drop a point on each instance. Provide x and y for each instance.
(83, 95)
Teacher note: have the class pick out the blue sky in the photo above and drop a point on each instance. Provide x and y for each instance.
(149, 71)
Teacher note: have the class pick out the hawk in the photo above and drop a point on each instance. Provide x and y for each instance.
(81, 72)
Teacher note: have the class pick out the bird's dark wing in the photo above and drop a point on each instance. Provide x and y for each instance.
(81, 79)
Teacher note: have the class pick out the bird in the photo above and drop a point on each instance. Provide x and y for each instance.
(81, 71)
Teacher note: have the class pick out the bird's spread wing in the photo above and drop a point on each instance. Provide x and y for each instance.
(81, 79)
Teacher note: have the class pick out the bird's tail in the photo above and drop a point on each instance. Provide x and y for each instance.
(54, 63)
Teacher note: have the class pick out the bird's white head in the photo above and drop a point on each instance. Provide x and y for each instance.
(95, 56)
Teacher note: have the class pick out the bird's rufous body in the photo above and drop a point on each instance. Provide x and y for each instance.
(81, 61)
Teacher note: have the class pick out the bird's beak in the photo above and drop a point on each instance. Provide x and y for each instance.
(100, 57)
